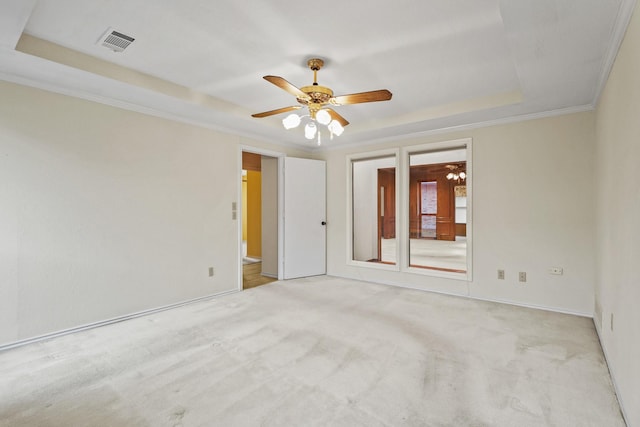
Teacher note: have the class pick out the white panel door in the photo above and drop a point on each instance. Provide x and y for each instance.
(304, 218)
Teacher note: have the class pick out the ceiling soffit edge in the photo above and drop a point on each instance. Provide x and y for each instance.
(50, 51)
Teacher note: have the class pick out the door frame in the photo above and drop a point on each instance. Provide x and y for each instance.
(238, 212)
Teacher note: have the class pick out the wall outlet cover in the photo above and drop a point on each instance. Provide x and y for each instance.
(556, 270)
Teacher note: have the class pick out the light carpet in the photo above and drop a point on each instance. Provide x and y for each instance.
(318, 352)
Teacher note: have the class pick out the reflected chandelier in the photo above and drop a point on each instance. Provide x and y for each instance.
(456, 173)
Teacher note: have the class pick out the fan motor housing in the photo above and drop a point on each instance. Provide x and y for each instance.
(317, 95)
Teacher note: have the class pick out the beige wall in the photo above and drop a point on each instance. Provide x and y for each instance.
(106, 212)
(618, 241)
(533, 208)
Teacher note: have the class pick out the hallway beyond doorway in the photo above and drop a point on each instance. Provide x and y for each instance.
(252, 276)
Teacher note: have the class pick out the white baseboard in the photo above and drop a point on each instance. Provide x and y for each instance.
(466, 295)
(611, 374)
(109, 321)
(535, 307)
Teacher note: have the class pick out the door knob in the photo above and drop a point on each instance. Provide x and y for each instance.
(324, 223)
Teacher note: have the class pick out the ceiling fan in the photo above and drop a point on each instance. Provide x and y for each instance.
(318, 100)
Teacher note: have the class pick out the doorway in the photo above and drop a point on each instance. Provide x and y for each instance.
(259, 219)
(289, 211)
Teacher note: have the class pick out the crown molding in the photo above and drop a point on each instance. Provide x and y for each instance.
(468, 127)
(138, 108)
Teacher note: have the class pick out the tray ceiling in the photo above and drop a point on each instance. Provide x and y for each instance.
(448, 63)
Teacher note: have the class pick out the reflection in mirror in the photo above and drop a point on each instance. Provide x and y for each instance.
(437, 210)
(374, 210)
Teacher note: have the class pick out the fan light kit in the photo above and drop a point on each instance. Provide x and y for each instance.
(317, 98)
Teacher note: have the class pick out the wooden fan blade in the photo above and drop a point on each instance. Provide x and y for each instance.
(336, 116)
(278, 111)
(283, 84)
(359, 98)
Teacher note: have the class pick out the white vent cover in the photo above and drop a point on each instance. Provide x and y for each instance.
(115, 40)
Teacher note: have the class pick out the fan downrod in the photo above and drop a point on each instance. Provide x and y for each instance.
(315, 64)
(317, 95)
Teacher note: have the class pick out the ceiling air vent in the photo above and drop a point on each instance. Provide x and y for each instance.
(115, 40)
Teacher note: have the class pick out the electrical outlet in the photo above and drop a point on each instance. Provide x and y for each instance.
(522, 276)
(211, 272)
(556, 270)
(501, 274)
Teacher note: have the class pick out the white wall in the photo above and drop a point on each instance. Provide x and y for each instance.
(533, 208)
(618, 242)
(106, 212)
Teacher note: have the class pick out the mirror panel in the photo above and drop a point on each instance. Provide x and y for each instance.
(437, 210)
(374, 210)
